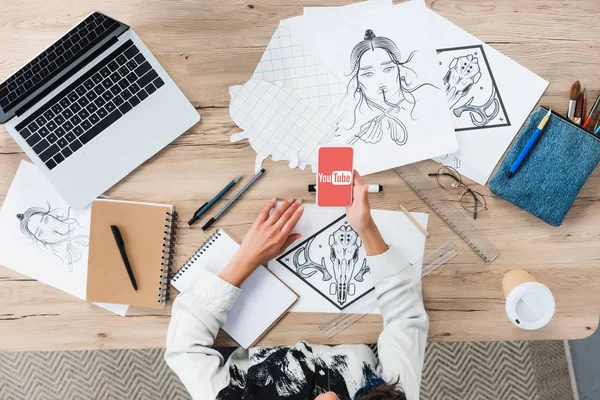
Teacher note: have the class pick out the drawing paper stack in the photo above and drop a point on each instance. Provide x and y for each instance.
(398, 82)
(42, 237)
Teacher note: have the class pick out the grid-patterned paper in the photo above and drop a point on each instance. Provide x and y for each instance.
(278, 123)
(285, 62)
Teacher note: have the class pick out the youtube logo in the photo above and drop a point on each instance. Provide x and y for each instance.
(336, 178)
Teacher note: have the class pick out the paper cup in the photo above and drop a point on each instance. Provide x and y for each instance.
(529, 304)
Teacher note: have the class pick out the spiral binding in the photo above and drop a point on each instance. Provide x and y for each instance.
(209, 242)
(168, 251)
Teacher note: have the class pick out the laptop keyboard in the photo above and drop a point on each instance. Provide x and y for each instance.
(54, 59)
(89, 105)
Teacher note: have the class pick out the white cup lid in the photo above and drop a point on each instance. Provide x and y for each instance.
(530, 305)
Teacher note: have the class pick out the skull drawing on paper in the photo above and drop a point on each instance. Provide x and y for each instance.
(344, 244)
(463, 73)
(337, 275)
(471, 90)
(483, 114)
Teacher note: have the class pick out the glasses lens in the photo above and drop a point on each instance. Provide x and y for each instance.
(473, 201)
(448, 178)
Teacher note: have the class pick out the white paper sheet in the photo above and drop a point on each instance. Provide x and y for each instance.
(517, 90)
(43, 238)
(279, 124)
(358, 6)
(319, 291)
(321, 15)
(287, 64)
(395, 111)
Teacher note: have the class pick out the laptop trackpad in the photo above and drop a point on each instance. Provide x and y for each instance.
(78, 180)
(116, 151)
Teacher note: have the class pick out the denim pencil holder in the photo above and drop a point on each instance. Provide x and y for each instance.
(549, 179)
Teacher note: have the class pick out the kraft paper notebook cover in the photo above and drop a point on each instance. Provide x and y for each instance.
(148, 231)
(255, 310)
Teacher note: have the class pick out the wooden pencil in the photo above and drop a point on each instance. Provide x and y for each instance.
(414, 220)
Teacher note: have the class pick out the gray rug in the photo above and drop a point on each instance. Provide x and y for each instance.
(461, 371)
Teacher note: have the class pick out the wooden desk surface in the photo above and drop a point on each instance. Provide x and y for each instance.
(208, 46)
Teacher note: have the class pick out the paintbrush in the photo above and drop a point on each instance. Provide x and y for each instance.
(593, 115)
(584, 105)
(578, 113)
(573, 95)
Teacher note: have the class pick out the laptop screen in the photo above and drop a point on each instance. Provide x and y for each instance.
(56, 63)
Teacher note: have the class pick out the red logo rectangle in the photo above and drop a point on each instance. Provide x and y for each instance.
(334, 176)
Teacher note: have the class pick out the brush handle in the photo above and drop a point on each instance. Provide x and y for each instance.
(571, 112)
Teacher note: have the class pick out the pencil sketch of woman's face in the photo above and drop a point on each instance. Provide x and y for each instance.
(378, 74)
(47, 228)
(378, 81)
(54, 230)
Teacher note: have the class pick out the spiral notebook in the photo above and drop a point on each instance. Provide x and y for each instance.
(148, 232)
(264, 299)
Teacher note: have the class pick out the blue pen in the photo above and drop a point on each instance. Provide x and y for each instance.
(597, 131)
(529, 145)
(200, 212)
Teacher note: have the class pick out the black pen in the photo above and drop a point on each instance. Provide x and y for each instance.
(121, 245)
(233, 199)
(202, 210)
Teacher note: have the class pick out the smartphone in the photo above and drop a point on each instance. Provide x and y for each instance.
(334, 176)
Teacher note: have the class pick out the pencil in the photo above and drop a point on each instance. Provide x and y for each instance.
(414, 220)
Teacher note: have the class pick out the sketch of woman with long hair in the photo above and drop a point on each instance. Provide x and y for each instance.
(381, 81)
(54, 230)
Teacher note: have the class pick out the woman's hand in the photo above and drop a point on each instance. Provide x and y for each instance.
(266, 239)
(359, 218)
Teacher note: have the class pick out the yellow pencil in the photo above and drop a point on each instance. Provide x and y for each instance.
(414, 221)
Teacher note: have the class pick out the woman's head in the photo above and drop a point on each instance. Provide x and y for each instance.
(378, 73)
(327, 396)
(54, 230)
(375, 63)
(43, 227)
(375, 389)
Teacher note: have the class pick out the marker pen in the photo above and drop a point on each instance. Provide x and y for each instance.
(372, 188)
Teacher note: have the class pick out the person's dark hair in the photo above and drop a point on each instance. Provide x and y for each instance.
(378, 389)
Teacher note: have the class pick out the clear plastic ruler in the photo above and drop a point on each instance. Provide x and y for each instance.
(367, 305)
(429, 191)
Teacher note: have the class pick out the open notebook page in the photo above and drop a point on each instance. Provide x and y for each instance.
(254, 311)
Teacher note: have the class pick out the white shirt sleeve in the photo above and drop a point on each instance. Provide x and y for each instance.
(401, 345)
(198, 314)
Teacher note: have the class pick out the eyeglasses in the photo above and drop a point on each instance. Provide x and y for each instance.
(449, 178)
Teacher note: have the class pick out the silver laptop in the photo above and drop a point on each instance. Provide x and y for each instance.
(92, 107)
